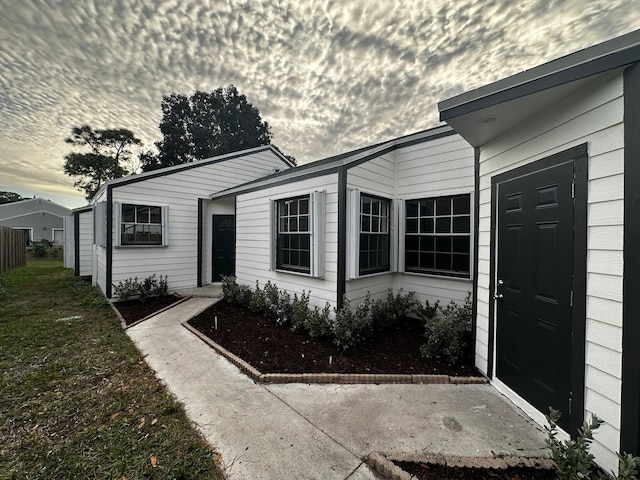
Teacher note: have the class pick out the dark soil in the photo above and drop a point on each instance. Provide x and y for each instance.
(134, 310)
(422, 471)
(274, 349)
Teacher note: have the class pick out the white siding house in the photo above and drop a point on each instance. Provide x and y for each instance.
(340, 226)
(79, 241)
(160, 222)
(558, 161)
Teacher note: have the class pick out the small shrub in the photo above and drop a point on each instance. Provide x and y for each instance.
(318, 321)
(258, 303)
(150, 287)
(282, 309)
(446, 330)
(235, 294)
(127, 289)
(572, 459)
(299, 311)
(349, 327)
(387, 312)
(39, 250)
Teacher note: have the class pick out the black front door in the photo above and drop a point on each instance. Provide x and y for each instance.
(224, 246)
(534, 287)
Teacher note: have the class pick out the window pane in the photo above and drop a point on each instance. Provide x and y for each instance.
(443, 244)
(461, 205)
(303, 206)
(375, 207)
(365, 224)
(427, 244)
(305, 242)
(426, 260)
(412, 208)
(460, 224)
(443, 206)
(443, 225)
(461, 244)
(443, 261)
(375, 224)
(426, 225)
(460, 263)
(295, 257)
(411, 242)
(294, 241)
(411, 260)
(155, 234)
(412, 225)
(293, 224)
(426, 208)
(128, 213)
(303, 224)
(293, 207)
(305, 258)
(156, 215)
(365, 205)
(143, 214)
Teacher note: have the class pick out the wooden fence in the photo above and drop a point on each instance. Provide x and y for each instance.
(13, 249)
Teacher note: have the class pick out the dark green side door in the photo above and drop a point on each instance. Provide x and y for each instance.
(534, 283)
(224, 246)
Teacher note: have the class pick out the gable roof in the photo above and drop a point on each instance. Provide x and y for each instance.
(584, 63)
(474, 113)
(161, 172)
(331, 164)
(32, 205)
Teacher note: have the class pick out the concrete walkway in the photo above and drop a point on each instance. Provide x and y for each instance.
(300, 431)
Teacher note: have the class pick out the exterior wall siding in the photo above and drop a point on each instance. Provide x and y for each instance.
(593, 115)
(86, 243)
(253, 242)
(179, 192)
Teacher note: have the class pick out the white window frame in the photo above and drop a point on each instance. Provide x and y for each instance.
(353, 234)
(164, 209)
(53, 234)
(316, 233)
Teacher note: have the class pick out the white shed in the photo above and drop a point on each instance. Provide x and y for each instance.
(160, 222)
(78, 231)
(397, 214)
(558, 185)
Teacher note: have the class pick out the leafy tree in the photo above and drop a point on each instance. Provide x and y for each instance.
(109, 157)
(205, 125)
(10, 197)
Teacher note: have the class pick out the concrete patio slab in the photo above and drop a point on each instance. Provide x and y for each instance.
(322, 431)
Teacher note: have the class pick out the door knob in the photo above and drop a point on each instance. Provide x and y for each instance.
(500, 283)
(498, 296)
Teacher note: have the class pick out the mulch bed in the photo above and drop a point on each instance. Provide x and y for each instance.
(423, 471)
(134, 310)
(274, 349)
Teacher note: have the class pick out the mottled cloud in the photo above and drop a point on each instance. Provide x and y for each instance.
(327, 76)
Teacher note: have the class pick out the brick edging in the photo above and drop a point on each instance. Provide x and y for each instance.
(383, 463)
(341, 378)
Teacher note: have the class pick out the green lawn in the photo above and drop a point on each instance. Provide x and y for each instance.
(76, 398)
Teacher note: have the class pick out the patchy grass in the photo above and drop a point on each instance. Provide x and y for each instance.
(76, 398)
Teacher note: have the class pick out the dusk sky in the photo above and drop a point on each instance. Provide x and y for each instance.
(328, 76)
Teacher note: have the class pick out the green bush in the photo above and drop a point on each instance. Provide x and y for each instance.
(349, 327)
(572, 459)
(447, 331)
(235, 294)
(150, 287)
(318, 321)
(300, 311)
(39, 250)
(258, 302)
(386, 313)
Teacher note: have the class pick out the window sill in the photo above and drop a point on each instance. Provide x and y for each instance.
(293, 272)
(125, 247)
(448, 276)
(369, 275)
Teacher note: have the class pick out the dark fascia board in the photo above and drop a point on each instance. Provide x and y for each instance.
(330, 165)
(609, 55)
(162, 172)
(86, 208)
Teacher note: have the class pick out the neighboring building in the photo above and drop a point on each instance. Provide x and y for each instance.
(159, 222)
(393, 215)
(41, 219)
(558, 221)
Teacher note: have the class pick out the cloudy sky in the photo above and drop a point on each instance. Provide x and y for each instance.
(328, 76)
